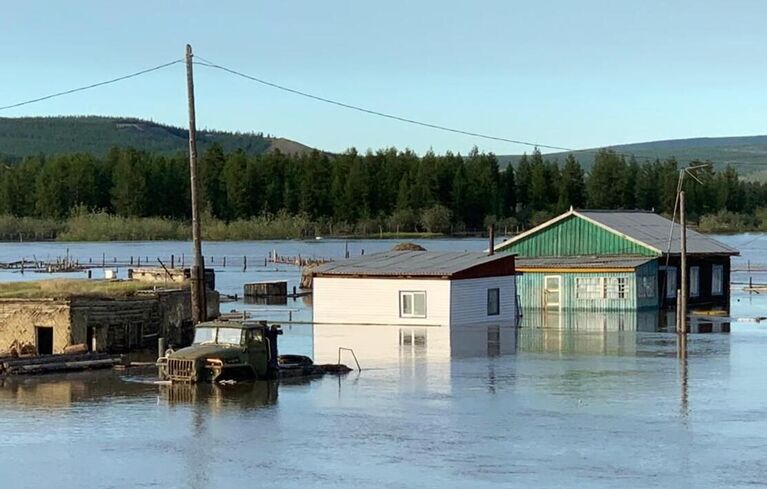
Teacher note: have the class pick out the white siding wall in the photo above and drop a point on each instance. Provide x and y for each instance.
(376, 301)
(469, 300)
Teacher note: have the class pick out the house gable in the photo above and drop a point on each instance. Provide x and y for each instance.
(574, 235)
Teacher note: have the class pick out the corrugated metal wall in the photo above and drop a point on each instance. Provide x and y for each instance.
(468, 300)
(574, 237)
(531, 288)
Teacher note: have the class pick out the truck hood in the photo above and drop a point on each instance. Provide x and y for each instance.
(196, 352)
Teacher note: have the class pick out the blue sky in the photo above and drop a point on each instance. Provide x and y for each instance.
(566, 73)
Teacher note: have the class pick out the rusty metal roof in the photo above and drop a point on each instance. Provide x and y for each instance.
(409, 263)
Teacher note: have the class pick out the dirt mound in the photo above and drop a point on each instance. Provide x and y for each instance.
(408, 246)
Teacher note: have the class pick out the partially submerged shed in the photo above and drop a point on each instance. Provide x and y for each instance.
(418, 288)
(49, 318)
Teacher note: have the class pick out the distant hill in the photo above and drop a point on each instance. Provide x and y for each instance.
(20, 137)
(748, 154)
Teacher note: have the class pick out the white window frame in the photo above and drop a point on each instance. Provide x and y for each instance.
(589, 288)
(720, 282)
(615, 288)
(412, 294)
(694, 281)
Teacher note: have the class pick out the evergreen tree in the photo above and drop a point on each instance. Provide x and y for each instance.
(631, 175)
(523, 174)
(237, 185)
(572, 186)
(606, 181)
(130, 193)
(212, 184)
(509, 192)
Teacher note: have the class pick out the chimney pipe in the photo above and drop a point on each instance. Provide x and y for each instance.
(492, 240)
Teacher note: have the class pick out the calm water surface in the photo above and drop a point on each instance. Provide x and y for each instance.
(513, 407)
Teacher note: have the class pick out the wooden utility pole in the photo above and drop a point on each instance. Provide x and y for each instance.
(199, 307)
(682, 324)
(491, 250)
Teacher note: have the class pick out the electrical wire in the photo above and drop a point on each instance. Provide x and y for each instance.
(94, 85)
(345, 105)
(211, 64)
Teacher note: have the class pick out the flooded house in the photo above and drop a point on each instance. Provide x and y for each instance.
(616, 260)
(48, 316)
(418, 288)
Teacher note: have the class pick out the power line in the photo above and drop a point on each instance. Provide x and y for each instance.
(345, 105)
(94, 85)
(210, 64)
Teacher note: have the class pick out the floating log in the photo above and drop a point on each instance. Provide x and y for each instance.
(13, 363)
(63, 366)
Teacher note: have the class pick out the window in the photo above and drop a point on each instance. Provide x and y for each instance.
(615, 288)
(204, 335)
(592, 288)
(646, 287)
(412, 304)
(694, 281)
(670, 282)
(717, 280)
(493, 302)
(589, 288)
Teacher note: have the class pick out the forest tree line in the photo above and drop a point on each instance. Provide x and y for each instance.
(387, 189)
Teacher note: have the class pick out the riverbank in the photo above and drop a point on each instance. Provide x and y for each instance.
(101, 227)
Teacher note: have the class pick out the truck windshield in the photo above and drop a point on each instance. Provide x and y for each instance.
(231, 336)
(205, 335)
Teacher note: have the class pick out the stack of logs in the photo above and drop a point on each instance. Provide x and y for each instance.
(65, 362)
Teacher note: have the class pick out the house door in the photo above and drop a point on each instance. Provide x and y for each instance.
(44, 338)
(552, 292)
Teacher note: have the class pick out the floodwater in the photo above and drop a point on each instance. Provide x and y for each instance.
(608, 402)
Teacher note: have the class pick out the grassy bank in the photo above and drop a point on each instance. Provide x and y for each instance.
(100, 226)
(106, 227)
(62, 289)
(729, 222)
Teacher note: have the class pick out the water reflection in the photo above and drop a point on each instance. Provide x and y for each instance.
(57, 391)
(246, 395)
(381, 344)
(590, 333)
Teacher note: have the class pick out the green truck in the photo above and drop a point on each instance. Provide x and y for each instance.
(233, 351)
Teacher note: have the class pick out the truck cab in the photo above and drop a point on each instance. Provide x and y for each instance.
(225, 350)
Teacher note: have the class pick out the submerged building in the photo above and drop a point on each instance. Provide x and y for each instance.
(616, 260)
(418, 288)
(100, 320)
